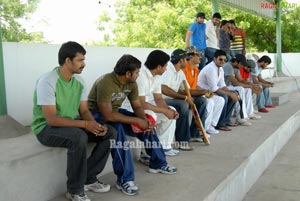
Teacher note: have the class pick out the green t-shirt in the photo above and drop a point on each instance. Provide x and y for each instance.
(107, 88)
(52, 89)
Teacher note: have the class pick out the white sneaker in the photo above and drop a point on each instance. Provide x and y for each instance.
(243, 122)
(97, 187)
(196, 139)
(171, 152)
(164, 170)
(255, 116)
(212, 131)
(128, 188)
(74, 197)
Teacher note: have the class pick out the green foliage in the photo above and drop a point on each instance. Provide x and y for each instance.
(11, 11)
(163, 24)
(159, 24)
(290, 31)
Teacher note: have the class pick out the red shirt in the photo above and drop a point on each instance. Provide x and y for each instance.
(245, 75)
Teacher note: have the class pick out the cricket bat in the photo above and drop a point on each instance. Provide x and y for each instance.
(196, 116)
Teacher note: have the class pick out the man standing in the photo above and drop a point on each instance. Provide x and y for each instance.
(263, 100)
(196, 36)
(225, 38)
(212, 78)
(149, 85)
(212, 34)
(238, 46)
(105, 98)
(58, 97)
(174, 95)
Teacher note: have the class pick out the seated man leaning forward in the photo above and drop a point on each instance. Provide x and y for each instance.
(149, 85)
(105, 99)
(58, 97)
(263, 100)
(212, 78)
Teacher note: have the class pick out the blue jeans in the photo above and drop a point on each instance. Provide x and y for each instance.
(203, 60)
(122, 159)
(263, 98)
(184, 130)
(229, 54)
(227, 110)
(80, 170)
(200, 103)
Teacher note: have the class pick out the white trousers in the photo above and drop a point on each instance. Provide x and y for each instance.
(246, 96)
(165, 129)
(214, 109)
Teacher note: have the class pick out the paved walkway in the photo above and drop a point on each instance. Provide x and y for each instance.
(281, 181)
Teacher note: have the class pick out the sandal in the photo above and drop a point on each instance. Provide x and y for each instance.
(223, 128)
(232, 124)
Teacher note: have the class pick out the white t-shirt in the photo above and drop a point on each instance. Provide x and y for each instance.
(208, 77)
(173, 78)
(212, 40)
(148, 85)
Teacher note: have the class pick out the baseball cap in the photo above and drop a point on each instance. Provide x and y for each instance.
(201, 15)
(242, 59)
(178, 54)
(251, 63)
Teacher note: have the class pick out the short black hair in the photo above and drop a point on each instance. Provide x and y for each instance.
(233, 59)
(265, 59)
(217, 15)
(155, 58)
(127, 63)
(69, 50)
(219, 53)
(232, 21)
(223, 22)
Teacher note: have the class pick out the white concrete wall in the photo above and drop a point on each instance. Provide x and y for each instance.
(24, 63)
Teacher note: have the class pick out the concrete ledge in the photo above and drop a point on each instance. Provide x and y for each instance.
(31, 171)
(279, 98)
(285, 84)
(10, 128)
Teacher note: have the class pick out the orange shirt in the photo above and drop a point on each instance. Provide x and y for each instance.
(192, 77)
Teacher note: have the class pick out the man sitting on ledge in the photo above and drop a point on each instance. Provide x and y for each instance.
(105, 99)
(58, 97)
(263, 100)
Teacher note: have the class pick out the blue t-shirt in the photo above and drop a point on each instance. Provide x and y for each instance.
(198, 37)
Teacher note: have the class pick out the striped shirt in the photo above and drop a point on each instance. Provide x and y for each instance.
(238, 43)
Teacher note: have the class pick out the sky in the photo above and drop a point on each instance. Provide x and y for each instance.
(64, 20)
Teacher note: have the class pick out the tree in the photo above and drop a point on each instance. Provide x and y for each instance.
(163, 24)
(149, 23)
(11, 11)
(291, 31)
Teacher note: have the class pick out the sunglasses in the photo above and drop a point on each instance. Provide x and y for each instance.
(224, 60)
